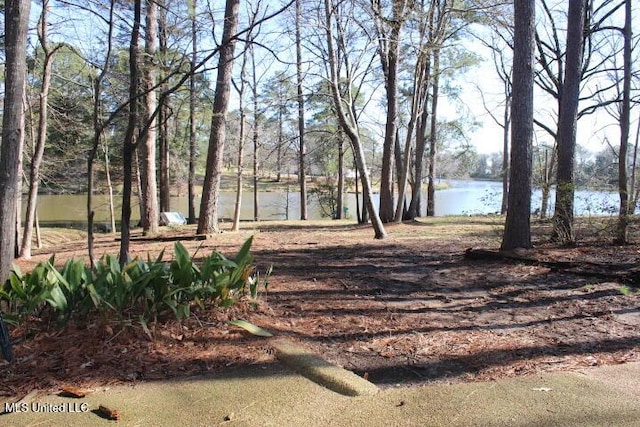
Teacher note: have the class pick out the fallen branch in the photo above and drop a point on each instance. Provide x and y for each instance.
(628, 273)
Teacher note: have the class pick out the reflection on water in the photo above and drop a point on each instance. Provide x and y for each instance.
(461, 198)
(485, 197)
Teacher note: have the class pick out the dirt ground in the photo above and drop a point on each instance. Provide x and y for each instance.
(410, 309)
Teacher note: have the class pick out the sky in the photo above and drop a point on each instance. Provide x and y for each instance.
(592, 130)
(487, 138)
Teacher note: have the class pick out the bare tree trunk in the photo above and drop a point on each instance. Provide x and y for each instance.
(349, 126)
(356, 179)
(505, 75)
(238, 201)
(164, 160)
(547, 170)
(37, 227)
(98, 130)
(565, 190)
(545, 191)
(417, 121)
(208, 221)
(389, 51)
(421, 92)
(340, 198)
(622, 230)
(136, 163)
(633, 188)
(18, 215)
(163, 117)
(517, 231)
(147, 145)
(302, 176)
(129, 142)
(192, 119)
(505, 158)
(16, 14)
(433, 136)
(403, 176)
(36, 161)
(256, 203)
(241, 141)
(107, 171)
(415, 208)
(255, 136)
(280, 143)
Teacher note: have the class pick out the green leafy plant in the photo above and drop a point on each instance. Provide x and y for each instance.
(628, 290)
(64, 292)
(143, 289)
(326, 196)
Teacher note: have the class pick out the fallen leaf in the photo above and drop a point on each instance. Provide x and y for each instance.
(70, 391)
(108, 413)
(251, 328)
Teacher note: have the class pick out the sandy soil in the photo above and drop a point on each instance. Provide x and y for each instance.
(409, 309)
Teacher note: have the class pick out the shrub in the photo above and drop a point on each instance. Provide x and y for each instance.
(144, 289)
(327, 195)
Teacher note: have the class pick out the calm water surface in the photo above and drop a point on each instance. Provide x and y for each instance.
(461, 198)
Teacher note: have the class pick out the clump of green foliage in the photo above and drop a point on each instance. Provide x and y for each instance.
(628, 290)
(139, 289)
(327, 195)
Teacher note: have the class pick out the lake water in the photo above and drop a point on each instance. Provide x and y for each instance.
(485, 197)
(461, 198)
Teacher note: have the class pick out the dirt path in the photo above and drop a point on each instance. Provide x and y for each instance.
(406, 310)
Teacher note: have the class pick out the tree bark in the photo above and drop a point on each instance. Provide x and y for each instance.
(548, 169)
(349, 126)
(149, 206)
(418, 100)
(98, 129)
(238, 202)
(567, 119)
(403, 174)
(359, 215)
(16, 27)
(340, 197)
(517, 231)
(163, 117)
(280, 143)
(505, 156)
(255, 137)
(389, 51)
(36, 161)
(107, 172)
(622, 229)
(633, 187)
(422, 81)
(192, 119)
(433, 136)
(208, 221)
(302, 176)
(128, 145)
(241, 141)
(415, 208)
